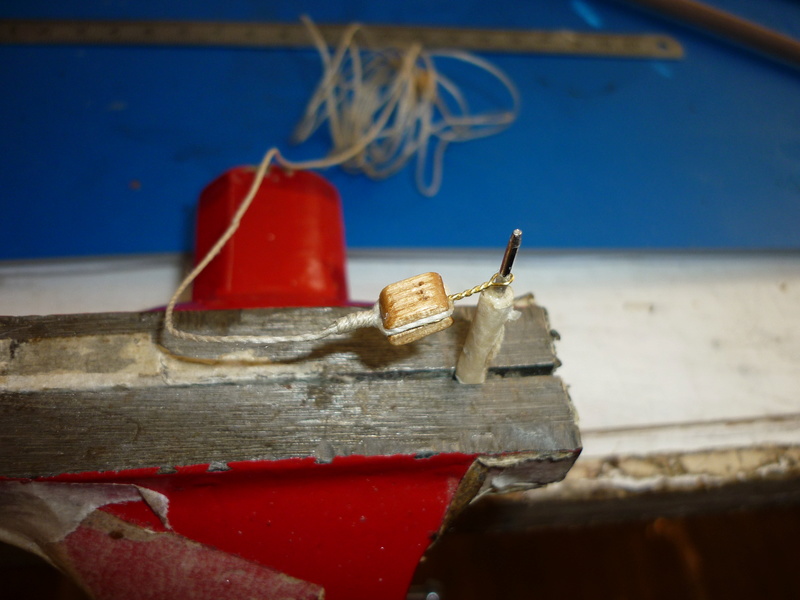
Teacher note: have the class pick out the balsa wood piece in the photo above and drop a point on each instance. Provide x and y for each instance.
(409, 308)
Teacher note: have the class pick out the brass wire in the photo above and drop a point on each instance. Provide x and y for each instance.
(495, 281)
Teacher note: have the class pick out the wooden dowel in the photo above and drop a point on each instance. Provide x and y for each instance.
(495, 308)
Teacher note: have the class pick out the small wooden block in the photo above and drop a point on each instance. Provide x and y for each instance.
(413, 300)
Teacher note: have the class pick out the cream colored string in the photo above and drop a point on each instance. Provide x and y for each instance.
(347, 323)
(387, 110)
(431, 110)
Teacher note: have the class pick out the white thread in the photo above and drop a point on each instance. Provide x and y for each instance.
(424, 321)
(431, 108)
(345, 324)
(380, 108)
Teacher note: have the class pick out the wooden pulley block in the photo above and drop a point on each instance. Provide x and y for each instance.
(415, 307)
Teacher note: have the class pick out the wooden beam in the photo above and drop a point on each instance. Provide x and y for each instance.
(110, 392)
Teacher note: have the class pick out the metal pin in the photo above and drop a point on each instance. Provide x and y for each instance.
(510, 254)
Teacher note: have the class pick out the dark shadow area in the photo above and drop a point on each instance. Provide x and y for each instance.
(26, 576)
(369, 345)
(743, 555)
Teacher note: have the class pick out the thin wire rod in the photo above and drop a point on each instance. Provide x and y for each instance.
(514, 243)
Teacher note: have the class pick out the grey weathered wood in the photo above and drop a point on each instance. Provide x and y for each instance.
(107, 392)
(528, 343)
(63, 431)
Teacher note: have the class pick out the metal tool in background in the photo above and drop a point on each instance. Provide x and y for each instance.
(295, 35)
(727, 26)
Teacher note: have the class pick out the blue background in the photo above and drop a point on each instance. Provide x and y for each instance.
(105, 150)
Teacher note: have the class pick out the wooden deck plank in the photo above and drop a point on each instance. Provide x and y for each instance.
(107, 392)
(74, 343)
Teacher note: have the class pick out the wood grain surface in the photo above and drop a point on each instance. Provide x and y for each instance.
(109, 392)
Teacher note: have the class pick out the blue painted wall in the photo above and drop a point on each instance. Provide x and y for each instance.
(104, 150)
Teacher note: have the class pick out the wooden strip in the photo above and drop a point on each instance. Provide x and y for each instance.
(295, 35)
(105, 350)
(109, 392)
(66, 431)
(708, 19)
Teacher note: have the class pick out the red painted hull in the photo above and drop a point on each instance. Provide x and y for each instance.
(356, 526)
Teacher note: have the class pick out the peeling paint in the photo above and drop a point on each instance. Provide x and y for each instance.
(34, 514)
(516, 472)
(619, 476)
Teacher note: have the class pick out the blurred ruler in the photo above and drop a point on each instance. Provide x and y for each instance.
(295, 35)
